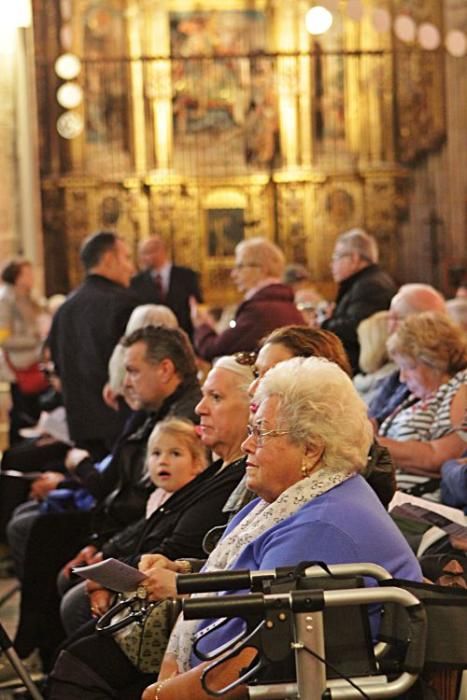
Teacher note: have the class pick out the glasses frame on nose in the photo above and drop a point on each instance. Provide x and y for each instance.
(258, 435)
(337, 256)
(240, 266)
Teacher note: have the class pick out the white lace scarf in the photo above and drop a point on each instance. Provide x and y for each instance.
(260, 519)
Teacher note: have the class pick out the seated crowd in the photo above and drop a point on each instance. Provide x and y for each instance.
(247, 447)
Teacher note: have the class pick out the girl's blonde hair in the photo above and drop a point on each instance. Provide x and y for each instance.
(185, 432)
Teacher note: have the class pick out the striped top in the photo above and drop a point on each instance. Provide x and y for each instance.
(424, 420)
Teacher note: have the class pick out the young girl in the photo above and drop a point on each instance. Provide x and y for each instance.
(175, 456)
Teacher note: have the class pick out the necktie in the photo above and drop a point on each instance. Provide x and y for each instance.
(158, 285)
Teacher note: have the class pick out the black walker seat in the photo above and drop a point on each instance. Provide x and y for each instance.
(310, 628)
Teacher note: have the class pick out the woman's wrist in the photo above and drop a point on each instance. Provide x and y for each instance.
(159, 687)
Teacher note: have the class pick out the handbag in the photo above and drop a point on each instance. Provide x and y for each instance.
(30, 380)
(141, 628)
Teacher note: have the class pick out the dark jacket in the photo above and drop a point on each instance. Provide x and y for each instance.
(270, 308)
(359, 296)
(177, 528)
(183, 284)
(391, 393)
(123, 487)
(83, 335)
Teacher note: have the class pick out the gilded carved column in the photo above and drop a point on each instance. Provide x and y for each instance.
(8, 232)
(305, 97)
(138, 127)
(159, 84)
(376, 114)
(284, 37)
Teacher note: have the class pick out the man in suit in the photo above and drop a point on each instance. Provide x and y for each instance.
(161, 282)
(84, 333)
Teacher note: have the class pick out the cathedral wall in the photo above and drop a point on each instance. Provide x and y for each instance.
(213, 121)
(434, 235)
(8, 161)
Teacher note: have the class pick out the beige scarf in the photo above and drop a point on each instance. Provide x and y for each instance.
(260, 519)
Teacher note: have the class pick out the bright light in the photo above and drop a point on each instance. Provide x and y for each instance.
(66, 37)
(405, 28)
(67, 66)
(381, 19)
(318, 20)
(69, 95)
(355, 10)
(16, 14)
(429, 36)
(70, 125)
(331, 5)
(456, 43)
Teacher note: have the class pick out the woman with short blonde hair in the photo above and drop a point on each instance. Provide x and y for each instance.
(433, 339)
(431, 353)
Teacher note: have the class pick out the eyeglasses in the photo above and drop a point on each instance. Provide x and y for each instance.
(338, 256)
(245, 358)
(240, 266)
(258, 435)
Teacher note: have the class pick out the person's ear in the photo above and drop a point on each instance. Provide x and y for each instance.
(166, 369)
(312, 457)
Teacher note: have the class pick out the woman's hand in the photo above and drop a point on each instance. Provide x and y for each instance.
(45, 483)
(156, 561)
(100, 600)
(160, 583)
(169, 667)
(173, 685)
(75, 456)
(83, 558)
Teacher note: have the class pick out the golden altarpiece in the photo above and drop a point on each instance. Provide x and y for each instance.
(215, 120)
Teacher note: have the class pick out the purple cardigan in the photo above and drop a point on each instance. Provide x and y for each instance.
(347, 524)
(270, 308)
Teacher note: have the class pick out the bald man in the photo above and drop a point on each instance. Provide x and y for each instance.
(161, 282)
(410, 299)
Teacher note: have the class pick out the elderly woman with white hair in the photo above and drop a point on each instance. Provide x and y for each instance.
(313, 504)
(267, 303)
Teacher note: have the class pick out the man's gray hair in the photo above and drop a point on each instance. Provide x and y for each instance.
(266, 253)
(319, 405)
(359, 241)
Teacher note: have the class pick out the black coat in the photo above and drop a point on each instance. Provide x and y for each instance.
(177, 528)
(123, 487)
(359, 296)
(183, 284)
(55, 538)
(84, 332)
